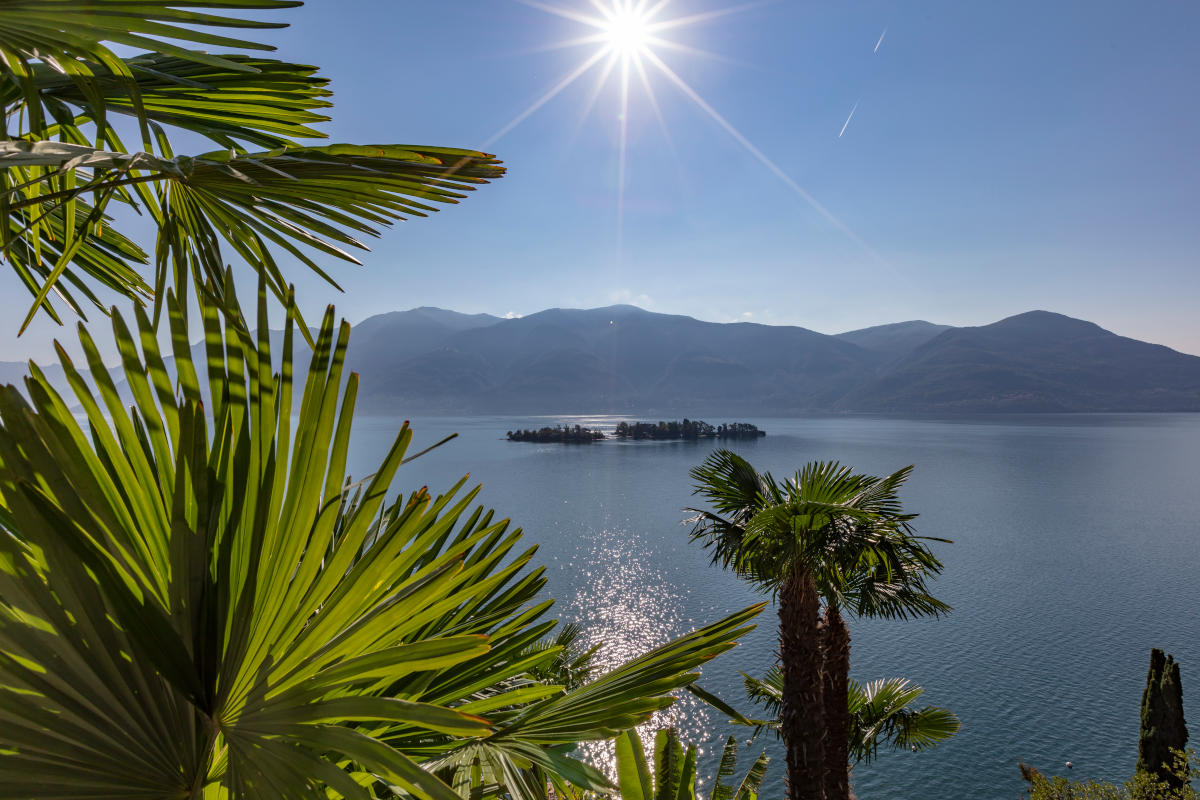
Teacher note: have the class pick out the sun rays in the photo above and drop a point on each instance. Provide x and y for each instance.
(627, 40)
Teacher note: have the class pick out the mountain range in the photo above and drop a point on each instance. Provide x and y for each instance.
(623, 359)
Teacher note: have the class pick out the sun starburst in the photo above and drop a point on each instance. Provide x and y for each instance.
(626, 40)
(627, 31)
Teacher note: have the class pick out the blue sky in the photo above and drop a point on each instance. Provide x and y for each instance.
(1002, 157)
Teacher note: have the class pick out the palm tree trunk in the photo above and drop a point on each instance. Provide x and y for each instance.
(835, 652)
(802, 721)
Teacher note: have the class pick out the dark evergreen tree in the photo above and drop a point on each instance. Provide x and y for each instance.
(1163, 728)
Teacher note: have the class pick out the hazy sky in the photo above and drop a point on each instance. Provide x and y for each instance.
(1000, 157)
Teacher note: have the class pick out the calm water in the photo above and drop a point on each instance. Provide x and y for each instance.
(1075, 551)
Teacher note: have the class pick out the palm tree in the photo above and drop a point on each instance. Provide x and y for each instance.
(881, 713)
(195, 598)
(269, 187)
(197, 601)
(879, 571)
(826, 533)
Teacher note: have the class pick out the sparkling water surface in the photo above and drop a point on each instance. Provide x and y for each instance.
(1076, 549)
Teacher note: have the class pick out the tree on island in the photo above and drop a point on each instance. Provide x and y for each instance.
(830, 534)
(558, 434)
(686, 430)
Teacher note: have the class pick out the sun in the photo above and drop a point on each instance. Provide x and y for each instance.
(630, 40)
(627, 32)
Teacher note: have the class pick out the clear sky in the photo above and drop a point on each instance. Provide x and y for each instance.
(981, 160)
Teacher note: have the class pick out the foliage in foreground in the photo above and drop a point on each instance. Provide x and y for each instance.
(196, 601)
(672, 773)
(267, 189)
(1142, 786)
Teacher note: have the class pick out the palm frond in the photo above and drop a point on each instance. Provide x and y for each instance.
(734, 489)
(882, 713)
(671, 773)
(766, 691)
(751, 784)
(60, 83)
(257, 101)
(192, 594)
(304, 201)
(725, 769)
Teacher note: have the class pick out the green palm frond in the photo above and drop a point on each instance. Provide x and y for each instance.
(176, 606)
(726, 766)
(848, 530)
(630, 694)
(60, 84)
(734, 489)
(671, 773)
(766, 691)
(62, 33)
(751, 784)
(37, 239)
(259, 101)
(195, 597)
(882, 713)
(303, 200)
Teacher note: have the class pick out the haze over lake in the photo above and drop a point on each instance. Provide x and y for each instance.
(1075, 552)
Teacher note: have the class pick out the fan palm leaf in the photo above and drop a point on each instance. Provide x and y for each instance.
(882, 713)
(60, 82)
(254, 100)
(302, 200)
(194, 598)
(671, 772)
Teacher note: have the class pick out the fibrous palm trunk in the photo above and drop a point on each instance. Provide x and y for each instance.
(802, 715)
(835, 689)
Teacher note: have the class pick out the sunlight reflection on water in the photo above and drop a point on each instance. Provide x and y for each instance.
(1075, 552)
(628, 606)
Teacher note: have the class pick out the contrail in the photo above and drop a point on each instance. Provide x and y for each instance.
(695, 97)
(847, 125)
(876, 50)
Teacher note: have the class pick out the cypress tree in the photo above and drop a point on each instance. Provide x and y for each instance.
(1163, 728)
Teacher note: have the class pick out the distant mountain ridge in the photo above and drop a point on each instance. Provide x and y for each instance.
(896, 339)
(1036, 361)
(626, 360)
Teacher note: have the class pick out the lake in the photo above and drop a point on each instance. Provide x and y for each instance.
(1076, 549)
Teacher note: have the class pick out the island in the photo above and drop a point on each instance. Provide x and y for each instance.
(560, 434)
(687, 429)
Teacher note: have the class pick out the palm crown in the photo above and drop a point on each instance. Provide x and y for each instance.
(848, 530)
